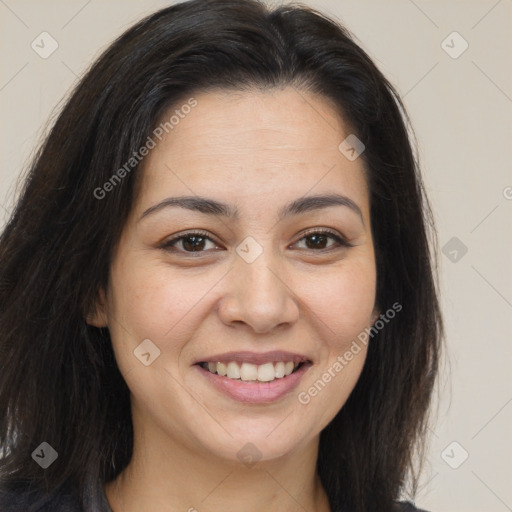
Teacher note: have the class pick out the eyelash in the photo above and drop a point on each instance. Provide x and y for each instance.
(340, 241)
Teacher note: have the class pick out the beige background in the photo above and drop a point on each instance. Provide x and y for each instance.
(461, 111)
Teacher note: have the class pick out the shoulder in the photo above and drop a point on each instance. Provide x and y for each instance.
(406, 506)
(30, 500)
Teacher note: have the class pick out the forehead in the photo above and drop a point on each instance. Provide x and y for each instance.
(252, 143)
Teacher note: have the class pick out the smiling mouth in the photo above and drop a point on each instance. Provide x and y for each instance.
(248, 372)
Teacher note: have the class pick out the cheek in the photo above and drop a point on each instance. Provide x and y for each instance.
(138, 302)
(345, 301)
(343, 305)
(152, 302)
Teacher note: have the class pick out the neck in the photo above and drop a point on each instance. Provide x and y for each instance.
(167, 476)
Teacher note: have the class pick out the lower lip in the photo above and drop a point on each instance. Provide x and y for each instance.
(255, 392)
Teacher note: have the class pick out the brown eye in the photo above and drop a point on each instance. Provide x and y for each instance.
(193, 243)
(196, 242)
(316, 241)
(319, 241)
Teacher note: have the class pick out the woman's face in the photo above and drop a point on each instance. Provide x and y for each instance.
(254, 289)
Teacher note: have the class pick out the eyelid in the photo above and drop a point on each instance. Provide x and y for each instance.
(340, 240)
(166, 244)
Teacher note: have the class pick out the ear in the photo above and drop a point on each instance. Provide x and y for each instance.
(98, 316)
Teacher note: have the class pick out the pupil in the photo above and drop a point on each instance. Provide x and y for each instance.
(197, 241)
(321, 238)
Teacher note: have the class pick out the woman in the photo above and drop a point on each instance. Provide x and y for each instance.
(216, 287)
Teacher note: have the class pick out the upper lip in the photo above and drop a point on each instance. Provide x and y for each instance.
(255, 357)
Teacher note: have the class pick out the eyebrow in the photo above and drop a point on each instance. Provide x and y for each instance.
(212, 207)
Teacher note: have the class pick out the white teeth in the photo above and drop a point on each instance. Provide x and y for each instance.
(233, 371)
(288, 368)
(266, 372)
(248, 371)
(279, 370)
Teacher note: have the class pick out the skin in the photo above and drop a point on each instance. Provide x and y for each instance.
(246, 149)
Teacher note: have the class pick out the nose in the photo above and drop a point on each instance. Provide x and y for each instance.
(259, 296)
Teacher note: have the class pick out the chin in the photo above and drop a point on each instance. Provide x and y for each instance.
(255, 441)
